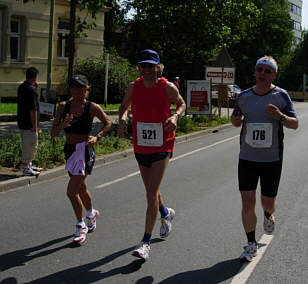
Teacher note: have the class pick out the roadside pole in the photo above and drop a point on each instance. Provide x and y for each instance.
(52, 7)
(304, 84)
(221, 88)
(106, 79)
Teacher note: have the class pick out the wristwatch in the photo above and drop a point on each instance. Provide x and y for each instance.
(98, 137)
(176, 113)
(282, 118)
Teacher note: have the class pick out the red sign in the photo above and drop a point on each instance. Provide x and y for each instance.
(198, 99)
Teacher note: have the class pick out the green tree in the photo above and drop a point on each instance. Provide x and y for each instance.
(272, 34)
(292, 77)
(115, 23)
(120, 74)
(188, 33)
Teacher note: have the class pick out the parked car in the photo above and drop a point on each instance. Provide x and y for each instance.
(233, 91)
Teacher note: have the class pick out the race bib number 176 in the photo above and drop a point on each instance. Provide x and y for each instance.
(259, 135)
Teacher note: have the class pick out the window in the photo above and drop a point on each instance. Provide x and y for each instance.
(63, 33)
(15, 39)
(296, 9)
(297, 26)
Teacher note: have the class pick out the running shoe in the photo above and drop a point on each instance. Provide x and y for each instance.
(37, 169)
(166, 227)
(91, 221)
(250, 251)
(269, 224)
(142, 251)
(30, 172)
(81, 232)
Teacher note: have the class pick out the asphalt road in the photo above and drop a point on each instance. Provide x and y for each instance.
(37, 222)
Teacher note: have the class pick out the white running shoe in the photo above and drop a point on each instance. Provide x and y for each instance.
(91, 221)
(142, 251)
(81, 232)
(166, 227)
(30, 172)
(250, 251)
(37, 169)
(269, 225)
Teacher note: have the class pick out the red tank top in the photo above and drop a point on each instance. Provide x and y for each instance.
(150, 109)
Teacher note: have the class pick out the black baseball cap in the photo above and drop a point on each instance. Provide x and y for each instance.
(78, 81)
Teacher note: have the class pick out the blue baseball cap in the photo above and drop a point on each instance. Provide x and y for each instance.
(148, 56)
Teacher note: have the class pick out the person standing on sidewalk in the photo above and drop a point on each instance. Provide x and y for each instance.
(262, 111)
(154, 127)
(27, 120)
(75, 117)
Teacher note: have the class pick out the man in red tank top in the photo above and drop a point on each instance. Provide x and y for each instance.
(154, 127)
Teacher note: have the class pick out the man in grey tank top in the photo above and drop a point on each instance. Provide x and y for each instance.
(262, 111)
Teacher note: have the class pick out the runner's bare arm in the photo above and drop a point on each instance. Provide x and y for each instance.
(57, 125)
(97, 111)
(289, 122)
(174, 97)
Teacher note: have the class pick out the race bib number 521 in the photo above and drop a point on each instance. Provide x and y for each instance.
(259, 135)
(149, 134)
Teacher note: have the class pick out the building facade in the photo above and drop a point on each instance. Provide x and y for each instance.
(24, 37)
(296, 16)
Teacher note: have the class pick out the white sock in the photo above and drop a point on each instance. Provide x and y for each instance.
(90, 213)
(81, 222)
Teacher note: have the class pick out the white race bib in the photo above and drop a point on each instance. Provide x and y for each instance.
(149, 134)
(259, 135)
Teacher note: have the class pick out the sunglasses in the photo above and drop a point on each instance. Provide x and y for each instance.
(146, 65)
(266, 70)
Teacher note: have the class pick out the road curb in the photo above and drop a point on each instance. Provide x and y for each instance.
(60, 171)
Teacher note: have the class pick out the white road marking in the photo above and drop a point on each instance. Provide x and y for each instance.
(118, 180)
(248, 267)
(204, 148)
(173, 159)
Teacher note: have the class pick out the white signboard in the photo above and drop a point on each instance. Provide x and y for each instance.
(215, 74)
(198, 97)
(46, 108)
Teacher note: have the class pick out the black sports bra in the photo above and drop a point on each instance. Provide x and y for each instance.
(80, 124)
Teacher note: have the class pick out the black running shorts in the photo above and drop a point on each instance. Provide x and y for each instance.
(269, 173)
(146, 160)
(69, 149)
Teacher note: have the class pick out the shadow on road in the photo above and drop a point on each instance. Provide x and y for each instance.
(10, 280)
(85, 274)
(219, 272)
(21, 257)
(4, 177)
